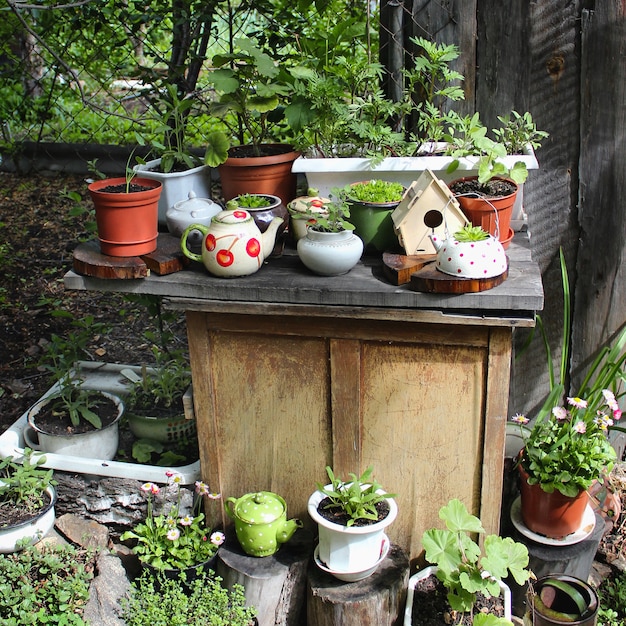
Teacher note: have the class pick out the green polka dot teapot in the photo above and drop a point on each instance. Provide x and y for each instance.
(261, 522)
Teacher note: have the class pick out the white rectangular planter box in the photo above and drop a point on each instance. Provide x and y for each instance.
(106, 377)
(325, 173)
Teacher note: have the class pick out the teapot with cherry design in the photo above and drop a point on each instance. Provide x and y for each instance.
(232, 244)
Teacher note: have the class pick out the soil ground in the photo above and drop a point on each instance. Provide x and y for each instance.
(42, 219)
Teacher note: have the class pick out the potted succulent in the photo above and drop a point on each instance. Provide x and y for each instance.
(72, 419)
(559, 599)
(264, 207)
(179, 170)
(175, 541)
(27, 499)
(351, 517)
(252, 87)
(329, 246)
(466, 572)
(154, 404)
(566, 448)
(371, 204)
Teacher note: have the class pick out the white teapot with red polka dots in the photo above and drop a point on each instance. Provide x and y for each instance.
(232, 244)
(470, 253)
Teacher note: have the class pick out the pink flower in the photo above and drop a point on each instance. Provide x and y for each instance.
(150, 488)
(520, 419)
(169, 473)
(173, 534)
(202, 489)
(560, 412)
(580, 427)
(218, 538)
(609, 398)
(579, 403)
(617, 414)
(214, 496)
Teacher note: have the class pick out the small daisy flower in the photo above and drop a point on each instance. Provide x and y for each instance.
(214, 496)
(520, 419)
(202, 489)
(609, 398)
(173, 534)
(580, 427)
(560, 412)
(169, 473)
(218, 538)
(150, 488)
(186, 521)
(579, 403)
(170, 521)
(176, 479)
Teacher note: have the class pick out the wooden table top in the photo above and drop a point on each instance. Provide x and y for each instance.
(284, 286)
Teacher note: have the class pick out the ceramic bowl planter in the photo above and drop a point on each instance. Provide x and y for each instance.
(346, 550)
(558, 599)
(269, 174)
(264, 207)
(492, 214)
(98, 443)
(127, 222)
(425, 574)
(33, 529)
(176, 186)
(330, 254)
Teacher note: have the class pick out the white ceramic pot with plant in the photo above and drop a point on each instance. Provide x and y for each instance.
(329, 247)
(27, 499)
(356, 543)
(464, 568)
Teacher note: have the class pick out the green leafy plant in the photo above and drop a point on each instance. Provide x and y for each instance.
(461, 565)
(519, 131)
(327, 217)
(60, 358)
(567, 447)
(251, 85)
(249, 201)
(375, 191)
(178, 602)
(45, 585)
(471, 233)
(612, 595)
(357, 497)
(23, 484)
(172, 540)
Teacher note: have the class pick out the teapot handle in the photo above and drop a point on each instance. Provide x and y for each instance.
(228, 505)
(183, 241)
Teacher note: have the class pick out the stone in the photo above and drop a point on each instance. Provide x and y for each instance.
(106, 591)
(82, 532)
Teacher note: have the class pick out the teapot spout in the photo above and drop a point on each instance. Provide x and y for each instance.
(285, 533)
(269, 236)
(436, 241)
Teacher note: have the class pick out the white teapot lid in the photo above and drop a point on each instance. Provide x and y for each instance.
(198, 207)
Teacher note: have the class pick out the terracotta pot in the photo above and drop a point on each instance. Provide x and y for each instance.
(265, 174)
(127, 222)
(492, 215)
(551, 514)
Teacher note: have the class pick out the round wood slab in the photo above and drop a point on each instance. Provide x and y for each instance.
(431, 280)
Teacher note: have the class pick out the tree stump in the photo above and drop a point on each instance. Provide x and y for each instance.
(274, 585)
(378, 599)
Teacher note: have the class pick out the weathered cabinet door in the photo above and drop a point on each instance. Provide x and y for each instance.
(279, 397)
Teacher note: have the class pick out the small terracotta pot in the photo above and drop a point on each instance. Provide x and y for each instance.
(551, 514)
(127, 222)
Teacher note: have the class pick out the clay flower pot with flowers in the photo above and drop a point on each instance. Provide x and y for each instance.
(175, 540)
(567, 448)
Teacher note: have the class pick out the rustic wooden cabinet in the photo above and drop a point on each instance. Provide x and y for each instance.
(293, 372)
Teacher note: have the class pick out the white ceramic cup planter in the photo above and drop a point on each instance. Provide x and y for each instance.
(330, 254)
(34, 529)
(346, 549)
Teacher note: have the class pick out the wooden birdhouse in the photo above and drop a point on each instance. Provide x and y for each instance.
(428, 208)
